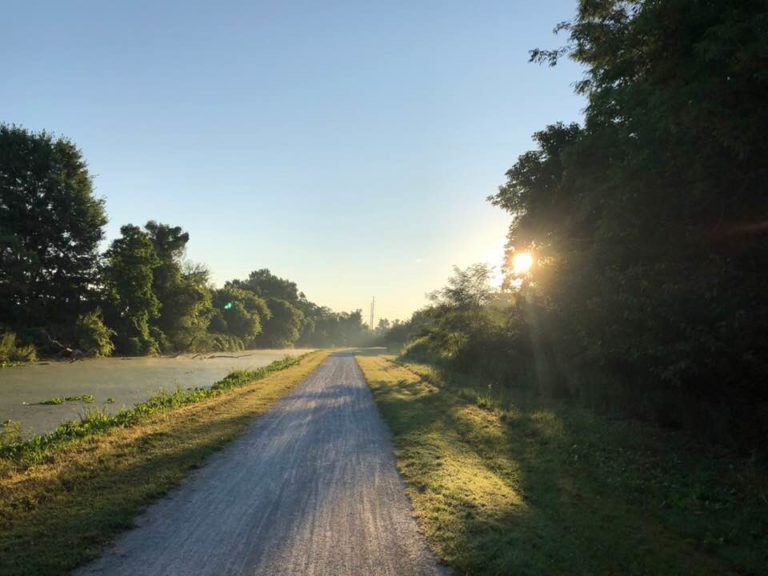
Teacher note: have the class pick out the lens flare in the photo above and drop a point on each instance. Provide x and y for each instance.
(522, 262)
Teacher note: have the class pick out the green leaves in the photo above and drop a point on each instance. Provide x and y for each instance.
(645, 220)
(50, 228)
(94, 338)
(53, 282)
(129, 275)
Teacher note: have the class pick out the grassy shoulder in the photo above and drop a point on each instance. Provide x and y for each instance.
(62, 500)
(524, 488)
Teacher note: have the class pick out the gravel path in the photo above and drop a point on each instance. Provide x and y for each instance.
(311, 488)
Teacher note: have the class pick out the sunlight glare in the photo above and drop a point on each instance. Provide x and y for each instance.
(495, 259)
(522, 262)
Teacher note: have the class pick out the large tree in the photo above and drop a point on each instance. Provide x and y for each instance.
(649, 221)
(50, 227)
(283, 328)
(181, 289)
(239, 313)
(131, 301)
(265, 284)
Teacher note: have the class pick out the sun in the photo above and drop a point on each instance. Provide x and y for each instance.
(522, 262)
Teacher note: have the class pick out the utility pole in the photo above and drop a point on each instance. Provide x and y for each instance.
(373, 303)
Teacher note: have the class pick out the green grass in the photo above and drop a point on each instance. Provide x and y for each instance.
(63, 496)
(504, 484)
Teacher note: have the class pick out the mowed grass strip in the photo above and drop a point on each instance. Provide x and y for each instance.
(535, 490)
(60, 512)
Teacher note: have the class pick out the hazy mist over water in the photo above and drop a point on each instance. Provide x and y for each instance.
(126, 380)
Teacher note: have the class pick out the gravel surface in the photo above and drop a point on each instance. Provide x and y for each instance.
(310, 488)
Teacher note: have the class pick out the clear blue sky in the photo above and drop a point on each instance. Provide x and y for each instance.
(348, 146)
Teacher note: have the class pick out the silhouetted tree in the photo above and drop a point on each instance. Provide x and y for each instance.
(50, 228)
(648, 222)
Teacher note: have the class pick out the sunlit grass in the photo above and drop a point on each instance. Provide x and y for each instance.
(506, 485)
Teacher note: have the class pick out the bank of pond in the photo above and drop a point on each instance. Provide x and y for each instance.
(42, 395)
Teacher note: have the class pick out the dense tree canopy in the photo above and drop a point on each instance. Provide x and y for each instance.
(283, 327)
(50, 228)
(132, 304)
(182, 291)
(266, 285)
(239, 313)
(649, 221)
(140, 296)
(646, 225)
(294, 319)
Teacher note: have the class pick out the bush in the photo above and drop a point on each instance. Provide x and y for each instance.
(158, 342)
(143, 345)
(10, 434)
(7, 346)
(418, 350)
(11, 352)
(26, 353)
(93, 336)
(222, 343)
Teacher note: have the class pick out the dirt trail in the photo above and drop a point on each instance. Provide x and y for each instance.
(311, 488)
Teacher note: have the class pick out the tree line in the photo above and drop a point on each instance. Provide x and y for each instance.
(648, 227)
(60, 295)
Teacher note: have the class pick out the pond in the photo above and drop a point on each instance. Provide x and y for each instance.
(114, 383)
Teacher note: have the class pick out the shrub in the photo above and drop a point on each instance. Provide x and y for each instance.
(221, 343)
(419, 350)
(10, 434)
(132, 347)
(11, 352)
(93, 336)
